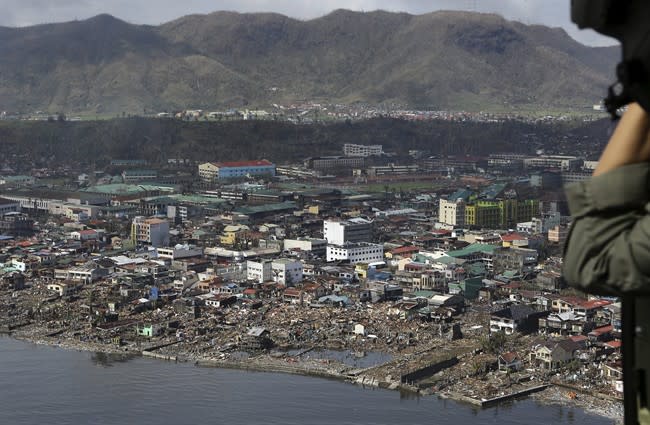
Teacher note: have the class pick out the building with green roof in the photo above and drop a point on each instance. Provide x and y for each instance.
(260, 211)
(469, 288)
(127, 191)
(463, 194)
(477, 252)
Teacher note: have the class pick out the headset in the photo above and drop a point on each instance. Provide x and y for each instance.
(629, 22)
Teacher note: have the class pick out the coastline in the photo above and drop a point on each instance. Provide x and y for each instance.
(551, 394)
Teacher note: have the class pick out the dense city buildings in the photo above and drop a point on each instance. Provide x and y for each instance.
(322, 197)
(236, 259)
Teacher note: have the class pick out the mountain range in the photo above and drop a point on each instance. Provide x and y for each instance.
(441, 61)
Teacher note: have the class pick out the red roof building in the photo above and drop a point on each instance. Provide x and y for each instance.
(405, 250)
(233, 164)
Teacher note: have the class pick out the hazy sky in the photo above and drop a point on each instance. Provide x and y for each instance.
(30, 12)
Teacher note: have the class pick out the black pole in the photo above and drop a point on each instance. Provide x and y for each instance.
(628, 317)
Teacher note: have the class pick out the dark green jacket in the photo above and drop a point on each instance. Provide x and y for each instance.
(608, 250)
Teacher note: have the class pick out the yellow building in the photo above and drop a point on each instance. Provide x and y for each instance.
(500, 214)
(231, 233)
(470, 215)
(227, 239)
(361, 269)
(489, 214)
(209, 171)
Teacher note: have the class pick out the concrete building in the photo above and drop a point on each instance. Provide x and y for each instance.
(546, 180)
(17, 180)
(575, 176)
(65, 288)
(313, 245)
(515, 318)
(179, 251)
(362, 252)
(73, 211)
(564, 163)
(138, 175)
(521, 260)
(212, 171)
(85, 235)
(152, 231)
(506, 161)
(499, 214)
(8, 205)
(546, 222)
(84, 273)
(339, 232)
(391, 169)
(286, 271)
(259, 271)
(328, 163)
(350, 149)
(452, 212)
(558, 234)
(450, 164)
(540, 225)
(29, 203)
(16, 224)
(209, 171)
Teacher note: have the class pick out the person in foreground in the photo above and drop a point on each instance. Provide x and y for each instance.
(608, 248)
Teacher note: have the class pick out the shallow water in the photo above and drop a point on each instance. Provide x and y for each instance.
(350, 358)
(40, 385)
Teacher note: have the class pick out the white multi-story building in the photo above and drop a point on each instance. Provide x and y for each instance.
(72, 210)
(179, 251)
(85, 273)
(362, 252)
(575, 176)
(40, 204)
(339, 232)
(152, 231)
(259, 271)
(350, 149)
(316, 246)
(7, 206)
(65, 288)
(541, 224)
(510, 161)
(286, 271)
(392, 169)
(452, 212)
(564, 163)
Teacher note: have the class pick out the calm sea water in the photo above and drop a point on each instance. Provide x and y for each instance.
(45, 385)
